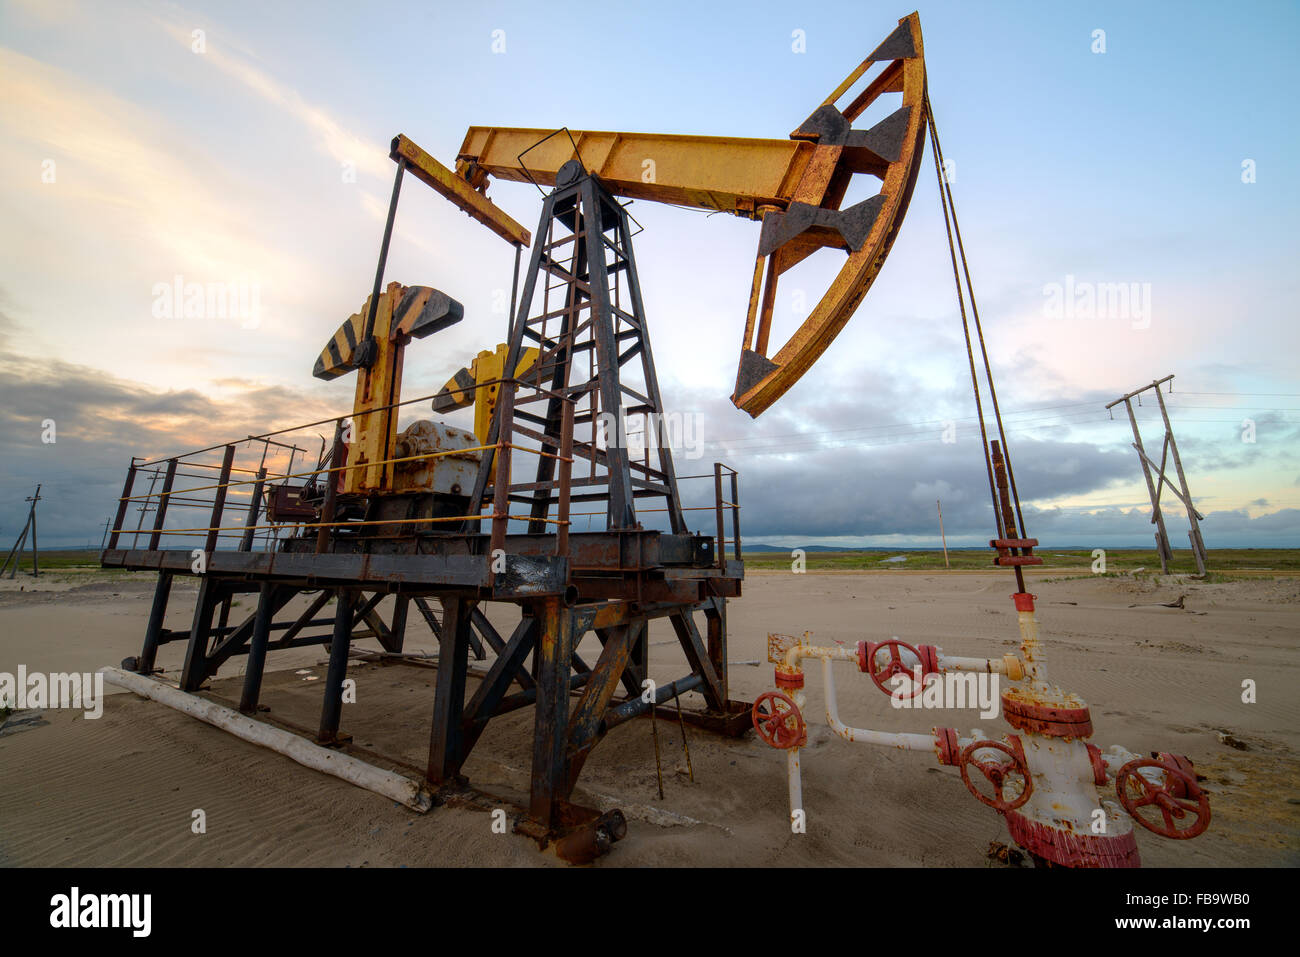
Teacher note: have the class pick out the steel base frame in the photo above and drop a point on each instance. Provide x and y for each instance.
(611, 581)
(575, 703)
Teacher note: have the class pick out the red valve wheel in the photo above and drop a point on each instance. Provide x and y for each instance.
(1177, 798)
(880, 673)
(996, 773)
(778, 721)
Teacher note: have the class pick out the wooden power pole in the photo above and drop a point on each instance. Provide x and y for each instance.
(16, 553)
(1156, 485)
(939, 505)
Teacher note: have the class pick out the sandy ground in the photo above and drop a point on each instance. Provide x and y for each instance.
(121, 790)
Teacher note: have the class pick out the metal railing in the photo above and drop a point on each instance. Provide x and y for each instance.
(720, 505)
(248, 470)
(227, 492)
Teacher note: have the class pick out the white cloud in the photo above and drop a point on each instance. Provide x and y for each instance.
(332, 137)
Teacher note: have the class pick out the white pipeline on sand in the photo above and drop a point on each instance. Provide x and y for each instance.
(389, 784)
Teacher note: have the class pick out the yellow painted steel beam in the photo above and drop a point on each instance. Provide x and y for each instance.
(428, 170)
(480, 384)
(374, 422)
(401, 314)
(795, 186)
(731, 174)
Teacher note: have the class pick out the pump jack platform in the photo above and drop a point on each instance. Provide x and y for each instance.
(375, 537)
(472, 519)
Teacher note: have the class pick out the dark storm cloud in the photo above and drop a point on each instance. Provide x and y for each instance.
(863, 462)
(1227, 528)
(893, 490)
(849, 459)
(100, 422)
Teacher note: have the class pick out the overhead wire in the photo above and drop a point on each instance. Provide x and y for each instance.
(961, 305)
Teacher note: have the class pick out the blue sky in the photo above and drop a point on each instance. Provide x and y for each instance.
(227, 164)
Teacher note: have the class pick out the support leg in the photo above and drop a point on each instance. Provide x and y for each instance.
(195, 671)
(397, 630)
(332, 708)
(552, 658)
(715, 619)
(257, 649)
(153, 633)
(698, 656)
(18, 548)
(446, 739)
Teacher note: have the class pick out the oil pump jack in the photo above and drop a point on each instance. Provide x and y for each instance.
(445, 513)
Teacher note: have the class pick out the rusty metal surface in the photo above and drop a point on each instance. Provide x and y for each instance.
(377, 501)
(729, 174)
(447, 474)
(867, 230)
(285, 504)
(458, 191)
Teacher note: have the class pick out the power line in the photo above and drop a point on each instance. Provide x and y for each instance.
(909, 427)
(1286, 395)
(911, 430)
(913, 438)
(902, 430)
(884, 428)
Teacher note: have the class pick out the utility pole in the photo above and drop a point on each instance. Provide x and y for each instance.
(939, 505)
(1155, 488)
(16, 553)
(144, 507)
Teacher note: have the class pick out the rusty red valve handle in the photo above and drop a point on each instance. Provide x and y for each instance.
(773, 713)
(1166, 798)
(1179, 762)
(996, 774)
(881, 674)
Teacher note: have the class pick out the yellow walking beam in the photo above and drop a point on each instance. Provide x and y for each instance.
(796, 187)
(730, 174)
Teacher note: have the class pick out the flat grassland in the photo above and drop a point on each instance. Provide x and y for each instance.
(1220, 561)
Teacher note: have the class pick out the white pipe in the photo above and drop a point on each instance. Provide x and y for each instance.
(796, 784)
(1116, 756)
(1006, 665)
(391, 785)
(992, 665)
(900, 739)
(812, 651)
(1031, 649)
(906, 741)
